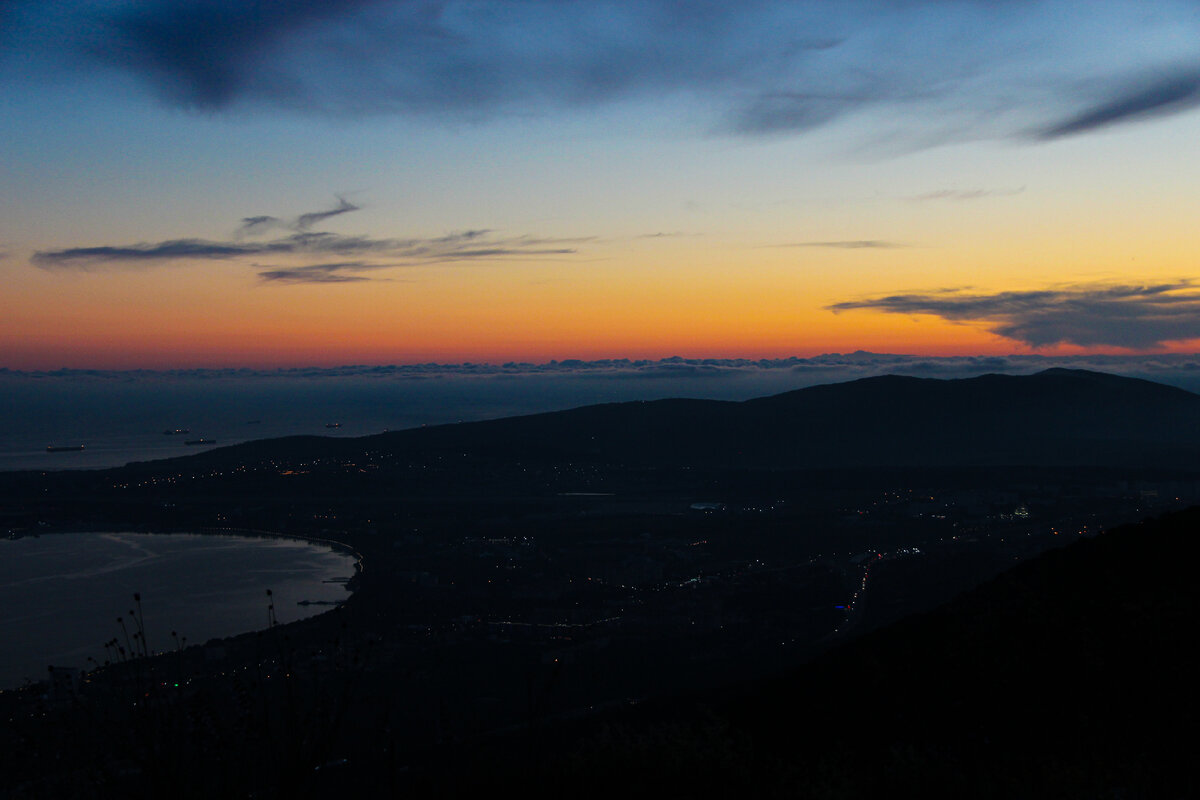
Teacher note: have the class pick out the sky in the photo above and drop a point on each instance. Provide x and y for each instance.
(244, 183)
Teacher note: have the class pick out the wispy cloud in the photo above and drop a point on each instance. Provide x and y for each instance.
(474, 245)
(356, 250)
(169, 250)
(264, 223)
(666, 235)
(795, 112)
(1178, 90)
(334, 272)
(965, 194)
(306, 221)
(847, 244)
(1131, 316)
(252, 226)
(765, 67)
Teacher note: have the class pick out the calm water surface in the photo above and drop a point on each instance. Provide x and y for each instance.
(60, 595)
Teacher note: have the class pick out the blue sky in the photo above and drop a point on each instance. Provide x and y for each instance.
(674, 162)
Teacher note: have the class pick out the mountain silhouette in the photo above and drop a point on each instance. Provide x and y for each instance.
(1059, 417)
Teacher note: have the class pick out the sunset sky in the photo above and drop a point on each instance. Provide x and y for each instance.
(295, 182)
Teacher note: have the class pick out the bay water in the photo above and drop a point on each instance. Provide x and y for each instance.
(62, 594)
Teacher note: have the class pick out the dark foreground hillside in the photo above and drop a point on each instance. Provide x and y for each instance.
(1069, 676)
(1072, 675)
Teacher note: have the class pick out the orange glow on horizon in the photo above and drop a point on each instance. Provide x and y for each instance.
(222, 352)
(692, 298)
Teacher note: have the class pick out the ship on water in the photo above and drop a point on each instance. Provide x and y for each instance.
(201, 441)
(176, 431)
(333, 424)
(63, 448)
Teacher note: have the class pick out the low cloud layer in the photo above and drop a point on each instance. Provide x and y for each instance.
(725, 378)
(1133, 317)
(766, 67)
(300, 243)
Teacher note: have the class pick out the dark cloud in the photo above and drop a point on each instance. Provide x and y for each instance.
(306, 221)
(469, 245)
(206, 52)
(439, 55)
(264, 223)
(1168, 94)
(171, 249)
(763, 67)
(254, 225)
(411, 251)
(335, 272)
(1134, 317)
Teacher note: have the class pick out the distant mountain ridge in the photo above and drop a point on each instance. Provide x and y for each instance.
(1058, 417)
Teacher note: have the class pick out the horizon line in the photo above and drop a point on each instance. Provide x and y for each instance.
(568, 365)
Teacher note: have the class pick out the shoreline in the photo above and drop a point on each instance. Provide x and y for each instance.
(349, 584)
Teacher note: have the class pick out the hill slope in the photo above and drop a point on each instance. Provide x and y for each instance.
(1058, 418)
(1054, 417)
(1064, 677)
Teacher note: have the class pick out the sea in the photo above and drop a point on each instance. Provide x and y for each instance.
(61, 594)
(124, 420)
(120, 418)
(124, 416)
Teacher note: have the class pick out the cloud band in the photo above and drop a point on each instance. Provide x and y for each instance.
(1133, 317)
